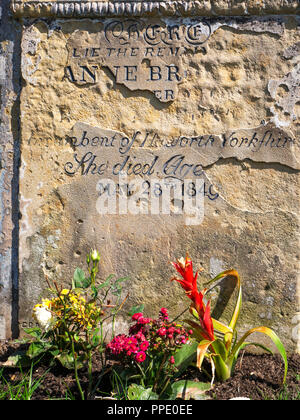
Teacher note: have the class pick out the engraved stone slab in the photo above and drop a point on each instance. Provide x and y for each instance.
(161, 95)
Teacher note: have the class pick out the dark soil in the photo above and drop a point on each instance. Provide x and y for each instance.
(257, 376)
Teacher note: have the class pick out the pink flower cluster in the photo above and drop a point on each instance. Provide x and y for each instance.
(148, 337)
(135, 346)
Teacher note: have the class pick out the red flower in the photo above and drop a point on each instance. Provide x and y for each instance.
(206, 323)
(189, 282)
(164, 314)
(140, 357)
(185, 269)
(162, 331)
(137, 316)
(144, 345)
(140, 336)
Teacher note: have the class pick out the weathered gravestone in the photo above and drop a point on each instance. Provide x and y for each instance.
(152, 129)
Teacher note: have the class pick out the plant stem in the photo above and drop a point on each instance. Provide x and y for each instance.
(164, 388)
(90, 373)
(178, 316)
(76, 368)
(158, 372)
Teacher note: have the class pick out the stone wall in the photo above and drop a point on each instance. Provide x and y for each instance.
(203, 94)
(10, 35)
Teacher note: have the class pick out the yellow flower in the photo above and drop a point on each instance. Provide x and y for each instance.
(65, 292)
(71, 308)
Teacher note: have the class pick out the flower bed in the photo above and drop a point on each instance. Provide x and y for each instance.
(159, 359)
(257, 376)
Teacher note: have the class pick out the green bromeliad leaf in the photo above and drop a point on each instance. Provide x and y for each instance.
(271, 334)
(218, 325)
(235, 275)
(202, 349)
(231, 327)
(246, 344)
(221, 327)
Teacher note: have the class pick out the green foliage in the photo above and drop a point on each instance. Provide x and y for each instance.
(79, 280)
(185, 357)
(136, 309)
(138, 392)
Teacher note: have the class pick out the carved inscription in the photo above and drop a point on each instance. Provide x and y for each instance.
(107, 154)
(142, 55)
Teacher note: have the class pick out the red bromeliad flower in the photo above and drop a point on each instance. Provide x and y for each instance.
(189, 284)
(207, 325)
(185, 269)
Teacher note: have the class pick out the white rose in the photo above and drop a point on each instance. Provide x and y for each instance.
(43, 317)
